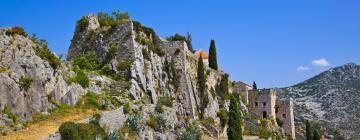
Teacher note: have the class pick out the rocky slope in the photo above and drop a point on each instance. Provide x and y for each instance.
(127, 62)
(157, 69)
(28, 83)
(331, 97)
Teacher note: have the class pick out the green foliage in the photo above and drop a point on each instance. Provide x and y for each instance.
(254, 85)
(133, 122)
(151, 37)
(213, 56)
(234, 130)
(123, 65)
(265, 132)
(88, 61)
(157, 121)
(192, 133)
(16, 31)
(9, 114)
(82, 78)
(25, 83)
(146, 54)
(316, 135)
(224, 117)
(83, 23)
(127, 108)
(81, 131)
(157, 50)
(223, 88)
(112, 20)
(167, 101)
(105, 70)
(201, 82)
(308, 130)
(44, 53)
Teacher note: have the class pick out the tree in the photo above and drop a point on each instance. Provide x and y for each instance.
(308, 130)
(254, 85)
(316, 135)
(234, 130)
(201, 86)
(189, 42)
(212, 56)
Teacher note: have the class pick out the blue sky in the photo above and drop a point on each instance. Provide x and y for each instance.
(274, 42)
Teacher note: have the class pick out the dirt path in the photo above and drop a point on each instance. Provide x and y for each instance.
(38, 130)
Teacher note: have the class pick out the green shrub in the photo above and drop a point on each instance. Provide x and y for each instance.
(81, 131)
(116, 18)
(9, 114)
(83, 23)
(69, 131)
(25, 83)
(124, 65)
(157, 50)
(82, 79)
(127, 108)
(157, 121)
(167, 101)
(16, 31)
(224, 117)
(133, 122)
(44, 53)
(88, 61)
(105, 70)
(192, 133)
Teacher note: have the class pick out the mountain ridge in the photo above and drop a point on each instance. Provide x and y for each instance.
(330, 97)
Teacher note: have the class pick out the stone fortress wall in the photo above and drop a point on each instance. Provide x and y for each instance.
(264, 104)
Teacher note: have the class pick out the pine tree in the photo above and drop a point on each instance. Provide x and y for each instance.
(254, 86)
(212, 56)
(308, 130)
(316, 135)
(202, 85)
(234, 130)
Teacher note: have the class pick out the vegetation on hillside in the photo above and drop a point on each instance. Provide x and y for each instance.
(213, 56)
(235, 122)
(201, 82)
(16, 31)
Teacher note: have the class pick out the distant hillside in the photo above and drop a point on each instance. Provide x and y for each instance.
(332, 97)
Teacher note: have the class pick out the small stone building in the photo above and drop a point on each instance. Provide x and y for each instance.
(264, 104)
(242, 89)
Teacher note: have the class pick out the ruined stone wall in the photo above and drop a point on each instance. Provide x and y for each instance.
(262, 103)
(242, 89)
(285, 114)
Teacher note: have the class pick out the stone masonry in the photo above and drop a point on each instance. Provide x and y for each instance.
(264, 104)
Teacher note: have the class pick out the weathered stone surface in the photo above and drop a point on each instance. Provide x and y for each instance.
(18, 58)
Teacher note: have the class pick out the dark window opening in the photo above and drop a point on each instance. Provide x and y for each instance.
(256, 103)
(276, 109)
(284, 115)
(264, 103)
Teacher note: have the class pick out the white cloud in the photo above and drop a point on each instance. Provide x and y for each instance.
(302, 68)
(321, 62)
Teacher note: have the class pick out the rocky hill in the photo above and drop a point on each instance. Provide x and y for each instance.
(331, 97)
(117, 65)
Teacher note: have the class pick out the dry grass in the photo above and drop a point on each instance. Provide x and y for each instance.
(48, 125)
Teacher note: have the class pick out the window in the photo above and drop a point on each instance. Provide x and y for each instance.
(264, 103)
(256, 103)
(284, 115)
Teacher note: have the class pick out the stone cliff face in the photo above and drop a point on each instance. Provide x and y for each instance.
(149, 68)
(27, 82)
(160, 69)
